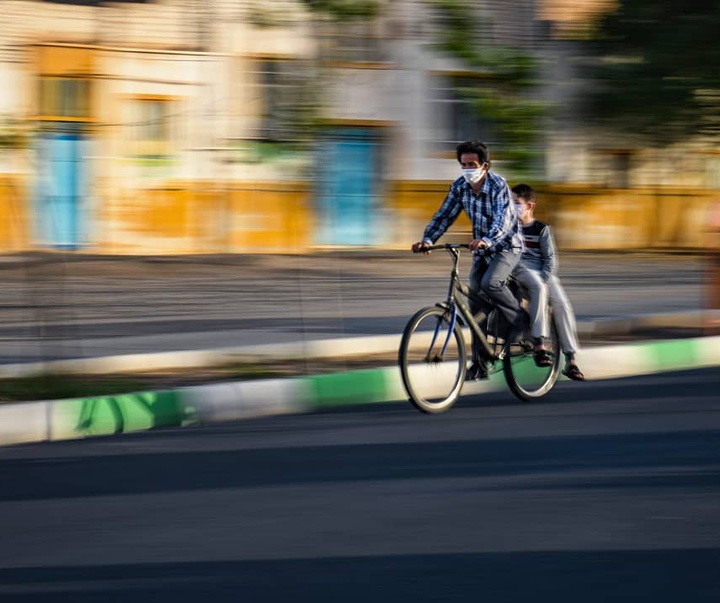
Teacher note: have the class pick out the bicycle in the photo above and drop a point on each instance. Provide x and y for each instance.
(433, 354)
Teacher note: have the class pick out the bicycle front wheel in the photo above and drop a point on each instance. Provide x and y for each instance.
(433, 360)
(526, 380)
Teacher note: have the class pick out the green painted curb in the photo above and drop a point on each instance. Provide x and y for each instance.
(123, 413)
(339, 389)
(674, 355)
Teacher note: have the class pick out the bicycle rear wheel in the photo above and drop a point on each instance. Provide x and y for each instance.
(433, 360)
(526, 380)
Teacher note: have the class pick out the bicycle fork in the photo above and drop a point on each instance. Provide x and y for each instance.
(436, 358)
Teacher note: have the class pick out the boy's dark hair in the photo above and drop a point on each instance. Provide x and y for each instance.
(524, 191)
(473, 146)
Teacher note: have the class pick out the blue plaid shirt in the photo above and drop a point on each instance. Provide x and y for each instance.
(491, 212)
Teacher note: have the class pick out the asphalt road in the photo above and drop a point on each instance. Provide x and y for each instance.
(609, 491)
(73, 306)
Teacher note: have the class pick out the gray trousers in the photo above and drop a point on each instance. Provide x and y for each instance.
(564, 316)
(553, 294)
(537, 291)
(490, 276)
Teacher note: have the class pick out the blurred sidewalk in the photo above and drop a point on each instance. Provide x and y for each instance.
(64, 306)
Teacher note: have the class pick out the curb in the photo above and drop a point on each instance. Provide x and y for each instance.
(25, 422)
(341, 347)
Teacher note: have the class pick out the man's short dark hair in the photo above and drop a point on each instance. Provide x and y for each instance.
(473, 146)
(524, 191)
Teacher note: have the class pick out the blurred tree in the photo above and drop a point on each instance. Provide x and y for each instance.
(508, 102)
(345, 9)
(263, 14)
(655, 70)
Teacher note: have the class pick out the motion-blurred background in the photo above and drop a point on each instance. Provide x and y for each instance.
(224, 126)
(188, 176)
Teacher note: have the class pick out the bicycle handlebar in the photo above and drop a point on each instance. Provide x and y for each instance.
(448, 246)
(451, 248)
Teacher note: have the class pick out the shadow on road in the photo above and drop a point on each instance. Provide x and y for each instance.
(186, 471)
(589, 576)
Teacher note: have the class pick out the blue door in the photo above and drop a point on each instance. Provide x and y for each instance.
(347, 188)
(61, 190)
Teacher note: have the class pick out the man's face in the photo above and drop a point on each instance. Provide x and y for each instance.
(470, 161)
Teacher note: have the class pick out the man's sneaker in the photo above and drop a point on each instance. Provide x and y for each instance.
(477, 372)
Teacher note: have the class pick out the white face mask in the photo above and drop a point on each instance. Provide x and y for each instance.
(474, 175)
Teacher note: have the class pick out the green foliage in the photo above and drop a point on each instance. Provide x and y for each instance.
(518, 122)
(264, 14)
(656, 70)
(511, 72)
(344, 10)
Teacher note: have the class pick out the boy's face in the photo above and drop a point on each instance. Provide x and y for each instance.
(523, 207)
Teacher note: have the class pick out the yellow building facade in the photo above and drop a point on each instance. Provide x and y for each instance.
(154, 140)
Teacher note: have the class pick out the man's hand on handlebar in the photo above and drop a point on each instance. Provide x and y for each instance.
(421, 247)
(476, 244)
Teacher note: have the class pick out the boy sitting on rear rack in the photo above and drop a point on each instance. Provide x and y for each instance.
(537, 273)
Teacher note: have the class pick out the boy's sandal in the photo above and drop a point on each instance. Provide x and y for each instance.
(543, 358)
(572, 371)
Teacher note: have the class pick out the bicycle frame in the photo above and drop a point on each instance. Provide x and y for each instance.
(433, 390)
(455, 302)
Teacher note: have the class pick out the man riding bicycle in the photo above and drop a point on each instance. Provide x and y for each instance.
(497, 240)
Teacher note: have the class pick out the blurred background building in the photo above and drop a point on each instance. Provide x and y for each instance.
(223, 126)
